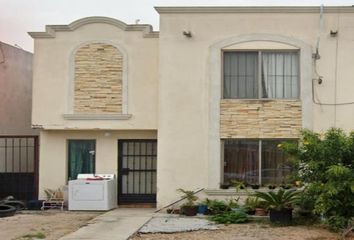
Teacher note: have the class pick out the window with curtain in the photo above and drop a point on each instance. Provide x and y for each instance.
(278, 76)
(255, 161)
(81, 157)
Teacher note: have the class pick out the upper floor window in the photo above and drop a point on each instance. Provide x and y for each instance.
(261, 74)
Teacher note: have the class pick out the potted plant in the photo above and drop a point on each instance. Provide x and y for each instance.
(238, 185)
(189, 208)
(250, 205)
(279, 204)
(261, 208)
(271, 186)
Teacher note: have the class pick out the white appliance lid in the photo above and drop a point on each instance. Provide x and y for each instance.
(84, 176)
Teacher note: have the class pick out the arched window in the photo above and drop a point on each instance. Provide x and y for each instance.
(98, 79)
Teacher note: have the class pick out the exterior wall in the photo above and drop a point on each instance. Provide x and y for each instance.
(260, 118)
(189, 139)
(53, 77)
(53, 165)
(15, 91)
(98, 79)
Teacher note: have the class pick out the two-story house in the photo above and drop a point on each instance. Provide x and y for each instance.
(205, 100)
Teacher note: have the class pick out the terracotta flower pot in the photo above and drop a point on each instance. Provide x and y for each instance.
(260, 212)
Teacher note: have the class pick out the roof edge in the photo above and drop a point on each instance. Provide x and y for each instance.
(50, 30)
(257, 9)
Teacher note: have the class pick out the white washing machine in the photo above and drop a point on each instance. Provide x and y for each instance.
(93, 192)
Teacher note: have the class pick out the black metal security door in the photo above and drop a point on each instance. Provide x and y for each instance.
(19, 167)
(137, 171)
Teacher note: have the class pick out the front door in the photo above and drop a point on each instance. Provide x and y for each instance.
(137, 171)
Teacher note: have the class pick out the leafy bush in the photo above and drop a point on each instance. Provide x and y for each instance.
(230, 217)
(325, 164)
(218, 206)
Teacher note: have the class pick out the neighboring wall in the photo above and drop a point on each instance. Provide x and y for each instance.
(189, 154)
(15, 91)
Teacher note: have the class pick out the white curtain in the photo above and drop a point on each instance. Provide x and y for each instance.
(280, 75)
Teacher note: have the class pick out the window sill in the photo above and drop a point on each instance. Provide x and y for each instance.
(85, 116)
(233, 192)
(263, 99)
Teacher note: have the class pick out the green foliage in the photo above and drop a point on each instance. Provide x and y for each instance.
(189, 196)
(38, 235)
(231, 217)
(219, 207)
(251, 203)
(325, 164)
(278, 200)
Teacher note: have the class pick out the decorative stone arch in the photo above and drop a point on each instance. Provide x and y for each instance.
(124, 89)
(215, 90)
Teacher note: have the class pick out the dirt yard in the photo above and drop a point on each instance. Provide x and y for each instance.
(49, 225)
(250, 231)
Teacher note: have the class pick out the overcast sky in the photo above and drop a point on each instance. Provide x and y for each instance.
(17, 17)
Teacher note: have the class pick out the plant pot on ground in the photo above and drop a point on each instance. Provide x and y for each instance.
(271, 186)
(189, 208)
(255, 186)
(283, 216)
(280, 204)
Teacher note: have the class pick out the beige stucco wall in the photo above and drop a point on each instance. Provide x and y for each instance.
(184, 158)
(53, 74)
(53, 165)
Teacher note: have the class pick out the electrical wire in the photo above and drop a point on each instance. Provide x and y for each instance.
(325, 104)
(316, 58)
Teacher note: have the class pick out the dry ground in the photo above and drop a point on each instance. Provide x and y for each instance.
(52, 224)
(249, 231)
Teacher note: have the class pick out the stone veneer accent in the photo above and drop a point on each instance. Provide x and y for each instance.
(98, 79)
(260, 118)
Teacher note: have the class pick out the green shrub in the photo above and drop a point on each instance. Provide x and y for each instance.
(325, 164)
(230, 217)
(217, 206)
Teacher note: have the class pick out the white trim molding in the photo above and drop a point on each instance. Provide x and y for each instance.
(50, 30)
(257, 9)
(71, 85)
(215, 83)
(86, 116)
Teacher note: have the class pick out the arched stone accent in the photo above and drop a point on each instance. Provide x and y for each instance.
(98, 79)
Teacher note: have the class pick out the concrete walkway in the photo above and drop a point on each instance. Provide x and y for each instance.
(118, 224)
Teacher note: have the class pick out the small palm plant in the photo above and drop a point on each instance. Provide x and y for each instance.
(280, 204)
(189, 208)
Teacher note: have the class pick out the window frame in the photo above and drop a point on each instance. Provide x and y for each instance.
(259, 140)
(259, 71)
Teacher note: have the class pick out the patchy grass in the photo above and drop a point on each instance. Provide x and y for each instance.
(38, 235)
